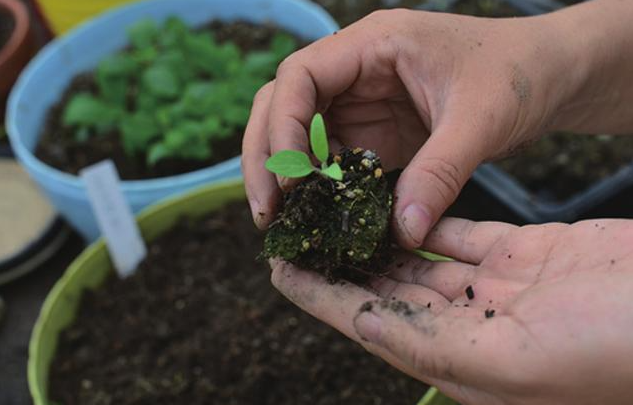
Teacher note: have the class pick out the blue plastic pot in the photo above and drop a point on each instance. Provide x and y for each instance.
(42, 83)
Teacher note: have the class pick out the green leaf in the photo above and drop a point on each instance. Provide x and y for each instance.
(282, 45)
(113, 76)
(290, 163)
(433, 257)
(333, 171)
(318, 138)
(177, 62)
(199, 99)
(113, 89)
(236, 115)
(184, 134)
(143, 33)
(215, 129)
(119, 65)
(262, 64)
(137, 131)
(145, 56)
(85, 110)
(146, 101)
(217, 61)
(157, 153)
(161, 81)
(170, 115)
(173, 32)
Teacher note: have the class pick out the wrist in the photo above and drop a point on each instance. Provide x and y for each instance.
(593, 40)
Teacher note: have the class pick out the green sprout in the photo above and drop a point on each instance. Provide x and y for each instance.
(174, 92)
(294, 164)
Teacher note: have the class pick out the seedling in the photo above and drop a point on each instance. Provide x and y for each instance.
(174, 92)
(295, 164)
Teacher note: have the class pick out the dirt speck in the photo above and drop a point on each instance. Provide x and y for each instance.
(470, 293)
(521, 85)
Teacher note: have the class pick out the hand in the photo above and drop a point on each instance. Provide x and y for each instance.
(563, 312)
(435, 93)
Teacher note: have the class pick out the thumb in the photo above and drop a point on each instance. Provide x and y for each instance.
(432, 181)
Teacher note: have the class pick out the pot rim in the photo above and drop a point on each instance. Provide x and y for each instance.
(20, 16)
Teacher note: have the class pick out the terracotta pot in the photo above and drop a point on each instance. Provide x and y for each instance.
(18, 49)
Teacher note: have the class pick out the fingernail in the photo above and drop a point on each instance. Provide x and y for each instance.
(368, 326)
(256, 212)
(415, 223)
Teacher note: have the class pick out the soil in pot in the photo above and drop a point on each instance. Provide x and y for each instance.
(562, 164)
(486, 8)
(168, 104)
(346, 12)
(4, 139)
(7, 24)
(199, 323)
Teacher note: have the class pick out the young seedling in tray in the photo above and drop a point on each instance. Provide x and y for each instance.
(335, 221)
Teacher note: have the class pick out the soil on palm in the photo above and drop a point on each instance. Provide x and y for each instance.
(58, 146)
(7, 24)
(199, 323)
(562, 164)
(337, 228)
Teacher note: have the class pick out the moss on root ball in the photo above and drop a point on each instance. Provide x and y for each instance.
(337, 228)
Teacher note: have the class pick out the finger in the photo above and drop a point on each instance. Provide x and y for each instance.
(306, 82)
(465, 240)
(431, 182)
(261, 186)
(448, 279)
(390, 289)
(468, 350)
(335, 304)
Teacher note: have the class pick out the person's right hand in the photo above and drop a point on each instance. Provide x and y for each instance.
(433, 93)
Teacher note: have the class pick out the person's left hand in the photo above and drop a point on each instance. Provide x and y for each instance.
(562, 297)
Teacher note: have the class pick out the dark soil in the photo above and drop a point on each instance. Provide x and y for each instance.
(6, 27)
(199, 323)
(560, 165)
(4, 138)
(337, 228)
(486, 8)
(59, 148)
(346, 12)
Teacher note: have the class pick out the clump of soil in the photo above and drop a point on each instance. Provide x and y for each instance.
(337, 228)
(7, 24)
(58, 146)
(562, 164)
(199, 323)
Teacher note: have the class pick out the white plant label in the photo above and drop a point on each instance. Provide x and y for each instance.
(114, 216)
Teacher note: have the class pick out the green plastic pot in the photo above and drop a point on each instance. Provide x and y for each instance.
(92, 267)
